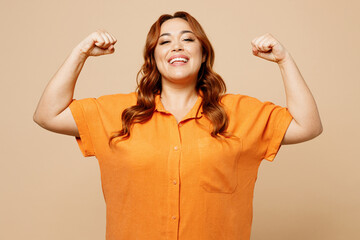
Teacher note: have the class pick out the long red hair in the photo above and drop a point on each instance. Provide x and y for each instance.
(209, 82)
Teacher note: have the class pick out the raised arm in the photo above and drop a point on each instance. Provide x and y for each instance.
(52, 112)
(306, 123)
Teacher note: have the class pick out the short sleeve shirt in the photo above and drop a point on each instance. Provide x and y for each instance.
(172, 180)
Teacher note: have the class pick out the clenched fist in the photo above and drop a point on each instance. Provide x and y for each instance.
(267, 47)
(97, 43)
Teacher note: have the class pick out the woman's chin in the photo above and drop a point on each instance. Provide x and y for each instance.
(180, 78)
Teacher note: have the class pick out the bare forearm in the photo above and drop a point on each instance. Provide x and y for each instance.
(299, 99)
(60, 89)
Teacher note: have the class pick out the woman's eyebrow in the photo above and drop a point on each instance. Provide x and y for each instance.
(182, 32)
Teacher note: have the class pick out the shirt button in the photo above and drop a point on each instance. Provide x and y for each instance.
(174, 182)
(173, 217)
(176, 148)
(180, 124)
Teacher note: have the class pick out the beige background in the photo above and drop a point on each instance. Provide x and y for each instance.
(311, 191)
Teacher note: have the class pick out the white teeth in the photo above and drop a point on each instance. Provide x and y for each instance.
(178, 59)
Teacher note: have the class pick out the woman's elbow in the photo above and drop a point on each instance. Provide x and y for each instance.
(316, 131)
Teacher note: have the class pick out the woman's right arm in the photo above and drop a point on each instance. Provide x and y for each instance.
(52, 112)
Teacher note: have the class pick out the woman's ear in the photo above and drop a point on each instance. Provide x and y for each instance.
(203, 58)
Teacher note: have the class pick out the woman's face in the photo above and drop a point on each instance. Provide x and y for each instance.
(178, 40)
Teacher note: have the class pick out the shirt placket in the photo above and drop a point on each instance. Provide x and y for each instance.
(174, 159)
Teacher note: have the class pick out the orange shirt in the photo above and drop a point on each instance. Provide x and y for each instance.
(174, 181)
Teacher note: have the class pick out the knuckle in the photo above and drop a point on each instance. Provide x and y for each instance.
(94, 34)
(97, 34)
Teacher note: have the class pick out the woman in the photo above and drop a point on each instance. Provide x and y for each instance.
(178, 157)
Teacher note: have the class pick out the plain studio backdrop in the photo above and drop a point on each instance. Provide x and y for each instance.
(311, 191)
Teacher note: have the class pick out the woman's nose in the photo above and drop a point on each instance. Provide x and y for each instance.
(177, 46)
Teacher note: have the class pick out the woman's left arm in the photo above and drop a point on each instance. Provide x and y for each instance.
(306, 123)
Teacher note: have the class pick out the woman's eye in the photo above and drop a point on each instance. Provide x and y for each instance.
(186, 39)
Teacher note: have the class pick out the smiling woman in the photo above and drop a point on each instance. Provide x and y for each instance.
(178, 157)
(178, 83)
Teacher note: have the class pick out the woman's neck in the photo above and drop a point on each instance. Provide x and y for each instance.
(178, 98)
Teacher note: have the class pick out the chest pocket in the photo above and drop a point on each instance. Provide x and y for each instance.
(219, 164)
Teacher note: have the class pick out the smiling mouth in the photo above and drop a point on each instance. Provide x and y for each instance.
(178, 61)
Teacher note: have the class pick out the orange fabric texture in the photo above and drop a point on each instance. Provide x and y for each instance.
(174, 181)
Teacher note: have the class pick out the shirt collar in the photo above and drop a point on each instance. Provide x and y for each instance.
(159, 107)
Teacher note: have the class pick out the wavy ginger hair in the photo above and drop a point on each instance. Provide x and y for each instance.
(209, 82)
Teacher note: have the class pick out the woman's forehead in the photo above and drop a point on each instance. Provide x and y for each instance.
(174, 26)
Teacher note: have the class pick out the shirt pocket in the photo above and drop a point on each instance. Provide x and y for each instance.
(219, 164)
